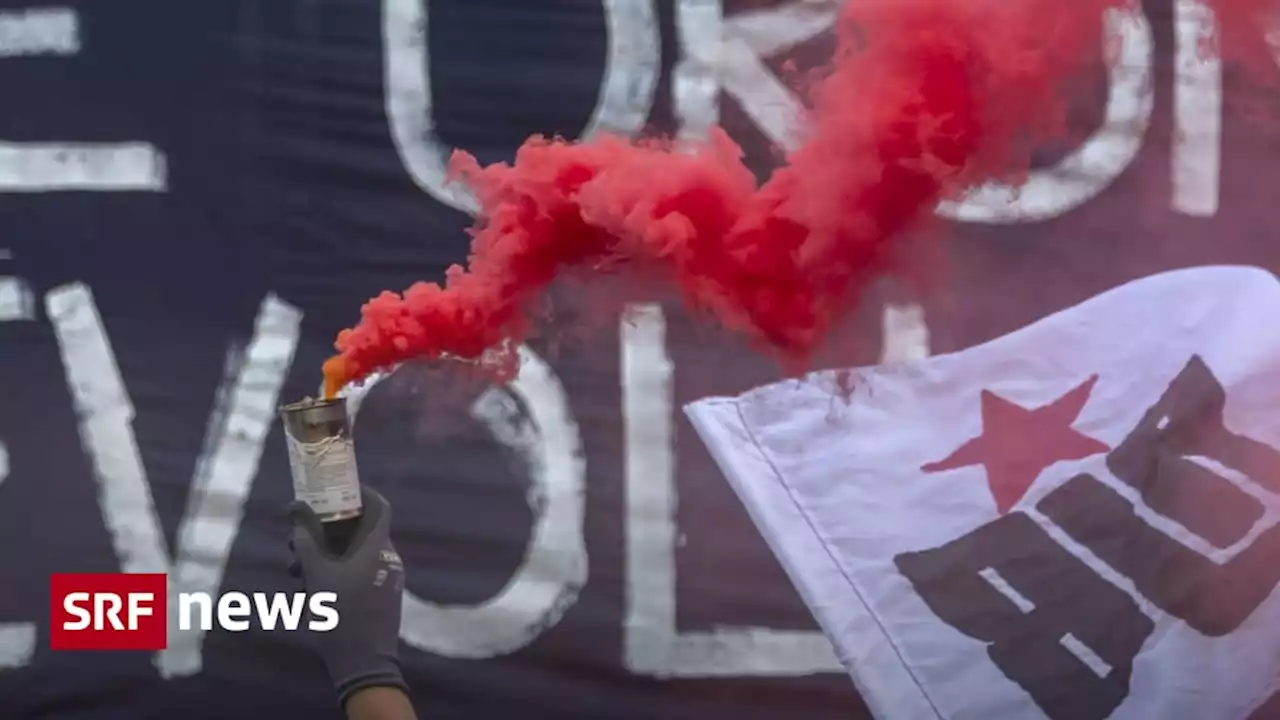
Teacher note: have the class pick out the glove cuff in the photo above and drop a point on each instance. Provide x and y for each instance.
(387, 677)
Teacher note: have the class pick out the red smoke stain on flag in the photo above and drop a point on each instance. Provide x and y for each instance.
(1017, 443)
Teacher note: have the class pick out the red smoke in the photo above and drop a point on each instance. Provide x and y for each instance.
(924, 99)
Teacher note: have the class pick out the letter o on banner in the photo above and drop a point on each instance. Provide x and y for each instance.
(1091, 168)
(631, 71)
(554, 569)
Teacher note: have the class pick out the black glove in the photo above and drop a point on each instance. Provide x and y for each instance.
(368, 579)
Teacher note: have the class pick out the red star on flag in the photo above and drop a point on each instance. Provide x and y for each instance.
(1017, 443)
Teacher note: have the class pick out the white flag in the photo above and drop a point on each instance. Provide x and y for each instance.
(1074, 521)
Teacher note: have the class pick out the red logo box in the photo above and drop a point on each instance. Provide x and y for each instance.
(108, 611)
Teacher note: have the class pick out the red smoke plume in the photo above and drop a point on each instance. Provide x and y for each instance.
(924, 99)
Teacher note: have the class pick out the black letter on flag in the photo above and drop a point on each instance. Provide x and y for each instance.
(1213, 599)
(1188, 421)
(1067, 598)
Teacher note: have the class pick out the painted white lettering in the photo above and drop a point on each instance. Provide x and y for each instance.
(224, 472)
(904, 333)
(653, 644)
(17, 644)
(626, 92)
(555, 566)
(1088, 170)
(1197, 110)
(17, 640)
(39, 31)
(717, 53)
(238, 426)
(60, 166)
(16, 300)
(695, 82)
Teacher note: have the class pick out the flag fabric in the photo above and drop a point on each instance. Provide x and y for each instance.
(1077, 520)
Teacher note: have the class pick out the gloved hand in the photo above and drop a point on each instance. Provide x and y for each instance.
(368, 579)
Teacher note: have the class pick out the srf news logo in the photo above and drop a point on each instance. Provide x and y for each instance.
(108, 612)
(119, 611)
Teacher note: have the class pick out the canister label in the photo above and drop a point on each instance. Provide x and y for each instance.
(325, 475)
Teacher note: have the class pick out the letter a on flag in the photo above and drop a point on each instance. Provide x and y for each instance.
(1076, 521)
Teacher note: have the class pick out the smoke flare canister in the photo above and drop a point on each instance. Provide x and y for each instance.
(322, 460)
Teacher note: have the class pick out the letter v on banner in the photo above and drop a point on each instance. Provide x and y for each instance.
(223, 474)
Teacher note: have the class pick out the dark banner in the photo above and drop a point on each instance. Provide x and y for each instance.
(197, 196)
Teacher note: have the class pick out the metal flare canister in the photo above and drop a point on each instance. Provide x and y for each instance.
(322, 457)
